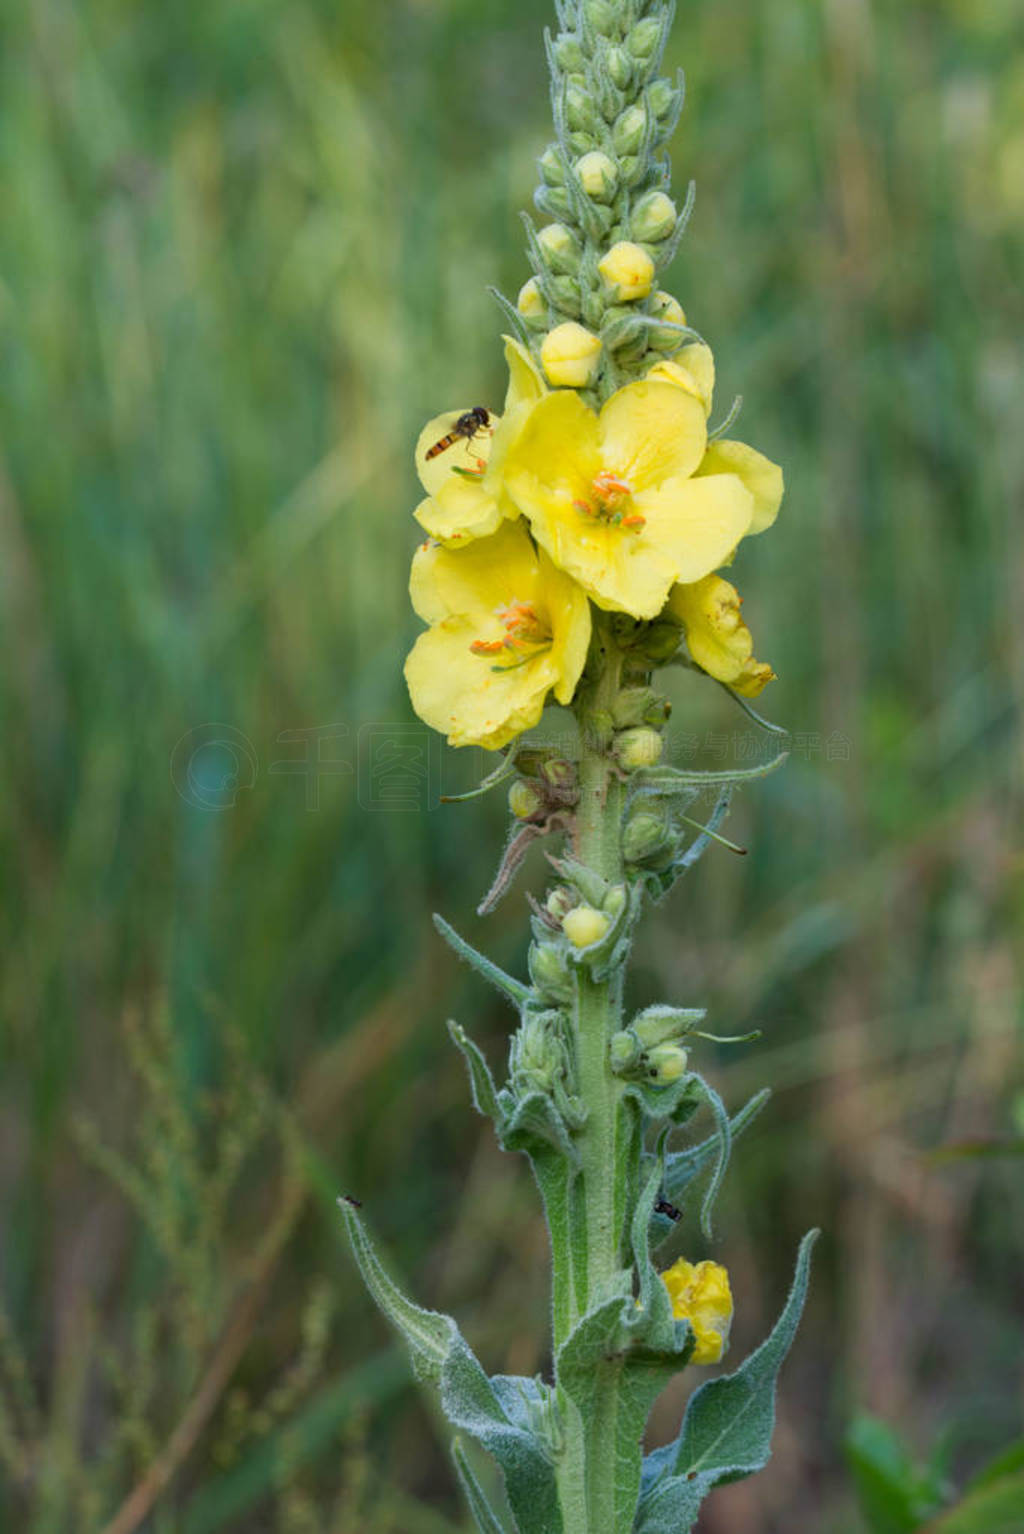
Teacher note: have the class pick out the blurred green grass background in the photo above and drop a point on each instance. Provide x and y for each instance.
(243, 255)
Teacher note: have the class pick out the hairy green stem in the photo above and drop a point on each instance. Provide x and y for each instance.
(589, 1466)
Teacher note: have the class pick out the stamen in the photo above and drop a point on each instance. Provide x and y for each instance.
(611, 498)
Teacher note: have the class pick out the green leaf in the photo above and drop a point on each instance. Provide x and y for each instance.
(683, 1166)
(723, 1141)
(993, 1509)
(1008, 1462)
(533, 1123)
(441, 1356)
(485, 1096)
(673, 780)
(727, 1431)
(517, 993)
(890, 1491)
(484, 1516)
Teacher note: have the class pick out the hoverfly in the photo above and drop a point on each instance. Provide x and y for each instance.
(465, 429)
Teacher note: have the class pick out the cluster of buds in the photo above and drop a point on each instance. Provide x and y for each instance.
(546, 785)
(540, 1060)
(651, 1049)
(592, 303)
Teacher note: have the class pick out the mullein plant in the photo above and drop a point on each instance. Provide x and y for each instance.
(573, 544)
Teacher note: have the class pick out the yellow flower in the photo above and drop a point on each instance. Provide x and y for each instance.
(584, 926)
(463, 482)
(693, 369)
(506, 629)
(570, 355)
(718, 639)
(613, 498)
(628, 270)
(701, 1295)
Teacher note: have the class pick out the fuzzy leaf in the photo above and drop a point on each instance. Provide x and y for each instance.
(673, 780)
(723, 1137)
(442, 1357)
(517, 993)
(533, 1123)
(994, 1509)
(683, 1166)
(485, 1096)
(484, 1515)
(727, 1431)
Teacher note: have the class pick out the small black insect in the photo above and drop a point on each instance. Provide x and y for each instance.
(664, 1207)
(355, 1203)
(466, 428)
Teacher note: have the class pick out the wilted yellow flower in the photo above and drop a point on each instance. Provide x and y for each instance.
(693, 369)
(718, 639)
(613, 498)
(570, 355)
(506, 629)
(463, 483)
(701, 1295)
(628, 270)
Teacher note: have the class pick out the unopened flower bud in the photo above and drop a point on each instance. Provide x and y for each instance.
(638, 748)
(565, 295)
(628, 271)
(630, 130)
(665, 1025)
(631, 170)
(560, 248)
(537, 1057)
(554, 200)
(552, 166)
(571, 356)
(644, 38)
(662, 98)
(584, 926)
(664, 338)
(602, 17)
(624, 1051)
(661, 641)
(560, 902)
(598, 175)
(549, 971)
(560, 774)
(619, 66)
(647, 834)
(666, 1063)
(654, 218)
(580, 116)
(525, 801)
(569, 53)
(532, 305)
(615, 902)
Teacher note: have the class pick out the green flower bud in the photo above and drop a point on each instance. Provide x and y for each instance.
(580, 116)
(615, 902)
(638, 748)
(666, 1063)
(620, 67)
(602, 17)
(584, 926)
(525, 801)
(664, 307)
(560, 902)
(598, 175)
(646, 836)
(664, 1025)
(549, 971)
(631, 170)
(552, 166)
(631, 706)
(560, 249)
(565, 295)
(654, 218)
(662, 98)
(560, 774)
(555, 200)
(630, 130)
(624, 1051)
(661, 641)
(582, 143)
(644, 39)
(537, 1057)
(569, 53)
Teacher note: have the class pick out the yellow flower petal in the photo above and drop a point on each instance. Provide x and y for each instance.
(696, 522)
(525, 380)
(651, 432)
(465, 453)
(475, 675)
(691, 368)
(700, 1294)
(718, 639)
(461, 510)
(762, 477)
